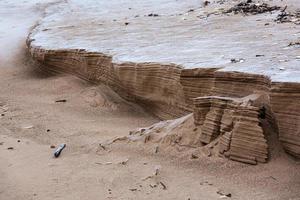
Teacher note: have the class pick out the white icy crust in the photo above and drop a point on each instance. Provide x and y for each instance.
(175, 36)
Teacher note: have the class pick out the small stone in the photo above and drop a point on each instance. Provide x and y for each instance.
(52, 146)
(156, 149)
(124, 162)
(153, 186)
(10, 148)
(205, 3)
(193, 156)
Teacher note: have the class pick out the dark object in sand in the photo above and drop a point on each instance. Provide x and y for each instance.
(285, 17)
(153, 15)
(163, 185)
(249, 7)
(59, 150)
(205, 3)
(61, 101)
(294, 44)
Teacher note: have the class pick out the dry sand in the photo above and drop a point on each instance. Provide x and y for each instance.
(91, 115)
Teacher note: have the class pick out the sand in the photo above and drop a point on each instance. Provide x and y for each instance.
(33, 121)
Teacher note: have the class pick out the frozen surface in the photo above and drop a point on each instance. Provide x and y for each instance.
(178, 35)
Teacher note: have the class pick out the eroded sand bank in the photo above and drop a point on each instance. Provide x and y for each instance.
(162, 57)
(94, 114)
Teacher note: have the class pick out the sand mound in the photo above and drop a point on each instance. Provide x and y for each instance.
(99, 97)
(234, 128)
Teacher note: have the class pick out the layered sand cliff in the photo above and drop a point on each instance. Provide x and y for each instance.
(238, 75)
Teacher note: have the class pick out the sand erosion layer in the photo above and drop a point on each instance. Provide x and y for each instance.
(216, 95)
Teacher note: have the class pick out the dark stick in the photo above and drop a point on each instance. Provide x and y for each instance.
(59, 150)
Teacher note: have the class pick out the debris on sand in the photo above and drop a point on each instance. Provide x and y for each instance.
(107, 163)
(156, 149)
(205, 3)
(294, 44)
(249, 7)
(223, 194)
(193, 156)
(10, 148)
(234, 60)
(157, 167)
(61, 101)
(163, 185)
(153, 186)
(124, 162)
(59, 150)
(102, 146)
(153, 15)
(285, 17)
(156, 172)
(28, 127)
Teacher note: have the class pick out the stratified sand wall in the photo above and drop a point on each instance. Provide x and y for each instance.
(285, 102)
(167, 90)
